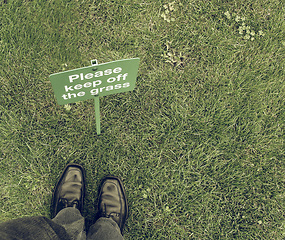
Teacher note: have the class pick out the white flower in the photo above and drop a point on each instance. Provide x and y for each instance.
(260, 32)
(246, 37)
(67, 107)
(228, 15)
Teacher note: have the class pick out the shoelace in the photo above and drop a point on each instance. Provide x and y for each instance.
(66, 203)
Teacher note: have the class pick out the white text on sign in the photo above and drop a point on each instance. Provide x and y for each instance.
(96, 91)
(81, 76)
(95, 85)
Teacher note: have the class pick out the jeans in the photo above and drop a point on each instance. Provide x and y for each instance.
(68, 224)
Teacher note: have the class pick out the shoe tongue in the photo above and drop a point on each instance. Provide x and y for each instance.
(71, 191)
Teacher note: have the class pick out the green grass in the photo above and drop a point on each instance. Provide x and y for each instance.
(199, 143)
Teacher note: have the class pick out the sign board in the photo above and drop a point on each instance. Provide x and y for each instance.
(95, 81)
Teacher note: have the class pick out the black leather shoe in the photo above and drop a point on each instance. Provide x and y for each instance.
(112, 201)
(69, 190)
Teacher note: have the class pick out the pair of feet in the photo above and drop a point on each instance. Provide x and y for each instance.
(70, 192)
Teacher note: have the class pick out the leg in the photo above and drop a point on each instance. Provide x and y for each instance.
(105, 229)
(72, 221)
(32, 228)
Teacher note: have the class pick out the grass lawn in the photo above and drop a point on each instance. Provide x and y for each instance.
(199, 143)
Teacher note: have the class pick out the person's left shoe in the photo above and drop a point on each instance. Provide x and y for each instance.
(69, 190)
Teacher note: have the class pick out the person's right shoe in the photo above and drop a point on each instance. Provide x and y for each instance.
(112, 201)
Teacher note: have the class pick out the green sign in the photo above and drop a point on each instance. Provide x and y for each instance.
(95, 81)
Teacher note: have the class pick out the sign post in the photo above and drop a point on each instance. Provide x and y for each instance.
(97, 114)
(95, 81)
(97, 105)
